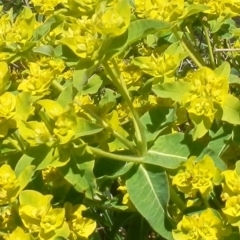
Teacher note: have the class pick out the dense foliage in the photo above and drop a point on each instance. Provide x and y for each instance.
(119, 119)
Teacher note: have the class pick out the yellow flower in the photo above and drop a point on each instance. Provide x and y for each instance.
(35, 133)
(232, 209)
(65, 127)
(83, 6)
(32, 211)
(126, 199)
(7, 217)
(51, 175)
(206, 86)
(114, 20)
(18, 234)
(196, 176)
(7, 107)
(82, 100)
(231, 184)
(220, 7)
(8, 184)
(52, 220)
(38, 80)
(166, 10)
(4, 76)
(80, 226)
(81, 37)
(45, 7)
(53, 108)
(206, 225)
(18, 32)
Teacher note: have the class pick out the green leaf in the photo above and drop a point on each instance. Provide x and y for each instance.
(93, 85)
(168, 151)
(45, 28)
(79, 171)
(149, 192)
(175, 90)
(4, 77)
(221, 139)
(86, 128)
(216, 24)
(229, 110)
(234, 79)
(201, 123)
(108, 169)
(82, 73)
(219, 163)
(66, 96)
(137, 30)
(25, 176)
(138, 228)
(156, 120)
(47, 50)
(193, 9)
(40, 157)
(223, 70)
(23, 106)
(108, 100)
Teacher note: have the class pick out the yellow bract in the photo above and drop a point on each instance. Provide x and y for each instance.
(196, 176)
(81, 37)
(38, 80)
(126, 199)
(19, 32)
(18, 234)
(231, 193)
(45, 7)
(8, 185)
(38, 215)
(166, 10)
(220, 7)
(80, 226)
(206, 89)
(206, 225)
(82, 100)
(114, 20)
(7, 105)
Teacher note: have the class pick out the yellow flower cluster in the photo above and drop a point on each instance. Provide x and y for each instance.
(207, 89)
(206, 225)
(196, 176)
(46, 222)
(231, 194)
(160, 9)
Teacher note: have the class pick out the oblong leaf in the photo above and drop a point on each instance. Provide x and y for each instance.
(175, 90)
(137, 29)
(148, 190)
(230, 110)
(168, 151)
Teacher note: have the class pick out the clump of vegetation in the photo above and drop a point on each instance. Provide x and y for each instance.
(119, 120)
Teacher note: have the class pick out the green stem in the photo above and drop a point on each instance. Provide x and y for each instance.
(127, 143)
(57, 85)
(19, 140)
(140, 134)
(205, 201)
(212, 60)
(214, 198)
(122, 158)
(13, 143)
(46, 121)
(195, 56)
(105, 125)
(176, 199)
(191, 35)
